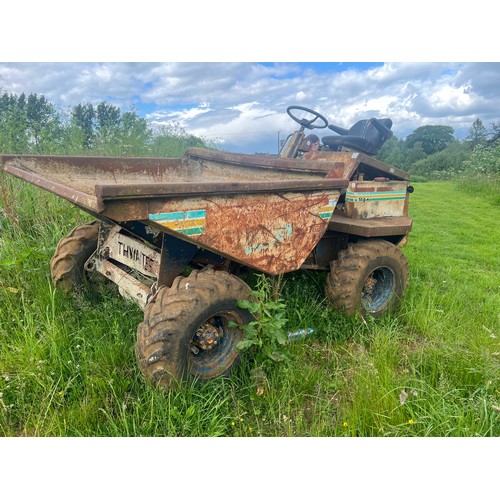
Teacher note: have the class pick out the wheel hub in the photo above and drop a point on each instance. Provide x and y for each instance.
(378, 289)
(369, 285)
(207, 337)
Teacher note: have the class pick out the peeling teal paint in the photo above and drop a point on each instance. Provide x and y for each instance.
(280, 235)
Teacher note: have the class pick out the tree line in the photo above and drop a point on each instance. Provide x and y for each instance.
(432, 152)
(32, 124)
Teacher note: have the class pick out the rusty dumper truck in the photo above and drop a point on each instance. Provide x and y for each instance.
(326, 205)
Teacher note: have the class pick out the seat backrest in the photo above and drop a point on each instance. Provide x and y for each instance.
(386, 122)
(359, 128)
(373, 131)
(366, 136)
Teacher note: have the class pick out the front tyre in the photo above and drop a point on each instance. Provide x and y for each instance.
(368, 277)
(188, 330)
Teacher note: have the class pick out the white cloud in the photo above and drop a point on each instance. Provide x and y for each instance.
(182, 117)
(451, 97)
(300, 96)
(251, 124)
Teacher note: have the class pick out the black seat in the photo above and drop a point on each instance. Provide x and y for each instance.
(365, 136)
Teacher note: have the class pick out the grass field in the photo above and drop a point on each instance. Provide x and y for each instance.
(67, 366)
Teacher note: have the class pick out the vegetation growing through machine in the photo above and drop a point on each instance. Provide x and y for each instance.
(431, 368)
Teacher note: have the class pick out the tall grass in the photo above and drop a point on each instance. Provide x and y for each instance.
(484, 188)
(67, 365)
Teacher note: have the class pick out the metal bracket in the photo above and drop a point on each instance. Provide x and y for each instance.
(176, 254)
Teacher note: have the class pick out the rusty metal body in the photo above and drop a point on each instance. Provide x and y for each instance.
(266, 213)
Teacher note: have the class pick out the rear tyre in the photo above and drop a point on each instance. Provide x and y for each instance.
(369, 278)
(67, 264)
(187, 332)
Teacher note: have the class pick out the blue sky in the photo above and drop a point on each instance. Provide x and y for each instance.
(242, 105)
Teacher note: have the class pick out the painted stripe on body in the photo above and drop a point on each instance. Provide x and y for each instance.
(326, 211)
(353, 196)
(190, 223)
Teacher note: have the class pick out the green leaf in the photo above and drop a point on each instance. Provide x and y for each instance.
(245, 344)
(281, 337)
(8, 263)
(251, 306)
(277, 356)
(190, 411)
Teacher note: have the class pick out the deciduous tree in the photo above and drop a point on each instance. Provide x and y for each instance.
(477, 134)
(84, 117)
(433, 138)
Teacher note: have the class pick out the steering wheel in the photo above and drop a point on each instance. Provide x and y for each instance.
(307, 123)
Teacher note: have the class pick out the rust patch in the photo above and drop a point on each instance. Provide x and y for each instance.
(273, 233)
(337, 171)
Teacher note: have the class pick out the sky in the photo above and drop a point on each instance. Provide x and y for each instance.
(242, 105)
